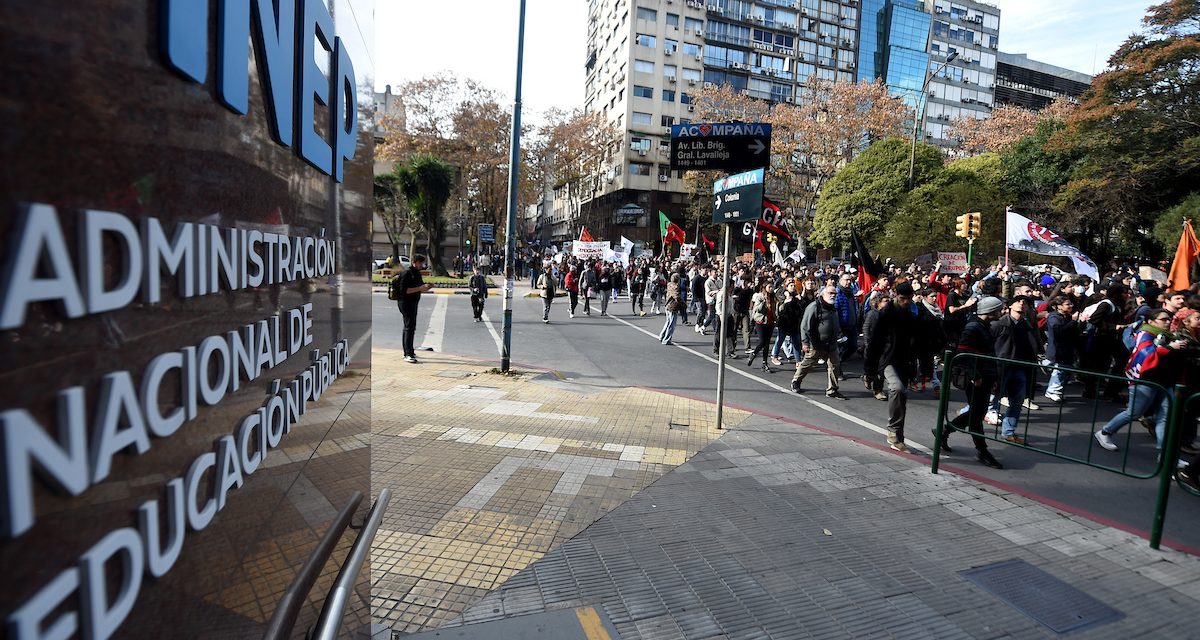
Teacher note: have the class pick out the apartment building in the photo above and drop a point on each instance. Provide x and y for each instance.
(1034, 85)
(966, 86)
(647, 58)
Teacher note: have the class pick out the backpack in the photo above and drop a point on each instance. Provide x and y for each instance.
(394, 292)
(1128, 335)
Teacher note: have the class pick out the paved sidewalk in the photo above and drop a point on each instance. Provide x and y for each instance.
(518, 495)
(490, 472)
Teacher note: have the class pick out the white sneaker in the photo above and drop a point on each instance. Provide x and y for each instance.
(992, 418)
(1106, 441)
(1030, 405)
(1054, 397)
(899, 446)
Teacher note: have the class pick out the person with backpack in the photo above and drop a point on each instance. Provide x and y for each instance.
(477, 287)
(658, 291)
(571, 284)
(406, 289)
(1156, 359)
(546, 288)
(763, 312)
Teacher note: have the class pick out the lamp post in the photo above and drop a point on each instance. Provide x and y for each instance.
(514, 168)
(919, 115)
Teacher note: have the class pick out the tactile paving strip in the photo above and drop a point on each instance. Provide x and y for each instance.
(1041, 596)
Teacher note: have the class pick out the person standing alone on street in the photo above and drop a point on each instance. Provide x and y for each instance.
(546, 284)
(477, 286)
(409, 291)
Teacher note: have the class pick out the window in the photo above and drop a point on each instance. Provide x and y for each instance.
(670, 45)
(642, 92)
(685, 98)
(647, 14)
(668, 95)
(693, 24)
(643, 66)
(664, 171)
(691, 74)
(669, 70)
(640, 168)
(638, 143)
(640, 118)
(645, 40)
(666, 121)
(672, 20)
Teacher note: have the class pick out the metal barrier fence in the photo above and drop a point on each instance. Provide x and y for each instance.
(1066, 439)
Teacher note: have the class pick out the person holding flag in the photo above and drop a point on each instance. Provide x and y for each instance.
(669, 231)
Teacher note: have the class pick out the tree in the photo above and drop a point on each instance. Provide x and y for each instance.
(1138, 128)
(926, 221)
(571, 151)
(1169, 223)
(1033, 174)
(869, 191)
(427, 183)
(392, 208)
(1006, 125)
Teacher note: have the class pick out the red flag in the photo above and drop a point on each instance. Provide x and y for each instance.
(708, 243)
(584, 236)
(675, 234)
(772, 221)
(869, 268)
(758, 237)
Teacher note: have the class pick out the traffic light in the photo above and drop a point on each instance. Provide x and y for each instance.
(468, 242)
(962, 228)
(973, 224)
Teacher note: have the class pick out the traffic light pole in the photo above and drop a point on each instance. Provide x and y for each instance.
(970, 251)
(723, 326)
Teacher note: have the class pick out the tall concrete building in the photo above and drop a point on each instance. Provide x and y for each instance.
(966, 87)
(1034, 85)
(646, 59)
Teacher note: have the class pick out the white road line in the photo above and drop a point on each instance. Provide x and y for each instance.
(492, 330)
(816, 403)
(358, 344)
(437, 325)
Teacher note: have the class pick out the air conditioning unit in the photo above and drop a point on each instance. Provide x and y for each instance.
(671, 79)
(670, 52)
(691, 82)
(758, 18)
(666, 131)
(700, 33)
(699, 58)
(641, 152)
(708, 85)
(663, 178)
(849, 65)
(691, 107)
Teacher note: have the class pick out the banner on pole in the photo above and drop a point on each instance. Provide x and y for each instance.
(796, 257)
(1024, 234)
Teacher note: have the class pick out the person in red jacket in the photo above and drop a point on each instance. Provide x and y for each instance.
(940, 282)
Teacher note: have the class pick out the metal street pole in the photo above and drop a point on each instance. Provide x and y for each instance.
(919, 115)
(514, 168)
(724, 327)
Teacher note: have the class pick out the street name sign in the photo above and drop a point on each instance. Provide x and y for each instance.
(738, 197)
(487, 234)
(727, 146)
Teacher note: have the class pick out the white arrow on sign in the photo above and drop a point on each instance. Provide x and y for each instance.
(758, 146)
(718, 204)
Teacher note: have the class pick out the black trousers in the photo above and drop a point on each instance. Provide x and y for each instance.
(977, 407)
(409, 313)
(637, 300)
(477, 306)
(764, 341)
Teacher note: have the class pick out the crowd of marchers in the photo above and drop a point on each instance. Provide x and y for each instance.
(1001, 323)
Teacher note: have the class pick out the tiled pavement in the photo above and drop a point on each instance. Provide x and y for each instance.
(491, 472)
(773, 531)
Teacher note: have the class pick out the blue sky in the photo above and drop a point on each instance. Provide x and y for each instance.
(478, 40)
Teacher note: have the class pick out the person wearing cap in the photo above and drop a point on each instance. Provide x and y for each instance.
(898, 352)
(977, 376)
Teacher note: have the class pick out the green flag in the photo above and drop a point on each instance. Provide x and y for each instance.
(662, 224)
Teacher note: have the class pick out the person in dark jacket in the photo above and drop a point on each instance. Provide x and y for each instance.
(898, 353)
(743, 290)
(587, 287)
(411, 286)
(696, 298)
(604, 287)
(637, 290)
(1103, 352)
(848, 312)
(1016, 339)
(875, 386)
(477, 286)
(979, 375)
(1062, 334)
(787, 327)
(819, 335)
(763, 312)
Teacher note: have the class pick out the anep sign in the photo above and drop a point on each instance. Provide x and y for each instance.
(291, 79)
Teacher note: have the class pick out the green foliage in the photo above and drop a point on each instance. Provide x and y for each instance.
(869, 191)
(926, 221)
(1169, 224)
(1032, 174)
(427, 182)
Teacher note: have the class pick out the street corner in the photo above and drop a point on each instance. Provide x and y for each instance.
(492, 471)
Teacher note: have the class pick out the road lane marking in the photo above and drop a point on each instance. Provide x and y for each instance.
(437, 325)
(495, 336)
(816, 403)
(590, 622)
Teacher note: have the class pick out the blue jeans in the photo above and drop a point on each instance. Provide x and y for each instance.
(668, 330)
(1058, 378)
(779, 338)
(1012, 386)
(1144, 399)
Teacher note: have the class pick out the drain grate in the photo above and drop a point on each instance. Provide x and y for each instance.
(1041, 596)
(449, 373)
(677, 426)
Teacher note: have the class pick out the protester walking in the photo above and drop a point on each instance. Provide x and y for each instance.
(546, 289)
(763, 312)
(477, 287)
(673, 304)
(820, 332)
(975, 374)
(898, 353)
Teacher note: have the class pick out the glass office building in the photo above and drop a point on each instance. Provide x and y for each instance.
(893, 45)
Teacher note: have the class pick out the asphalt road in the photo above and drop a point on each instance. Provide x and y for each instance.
(623, 350)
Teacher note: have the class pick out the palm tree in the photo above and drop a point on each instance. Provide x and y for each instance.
(427, 182)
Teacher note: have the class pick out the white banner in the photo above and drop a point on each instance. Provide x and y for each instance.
(616, 256)
(796, 257)
(626, 246)
(1024, 234)
(953, 261)
(686, 250)
(589, 250)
